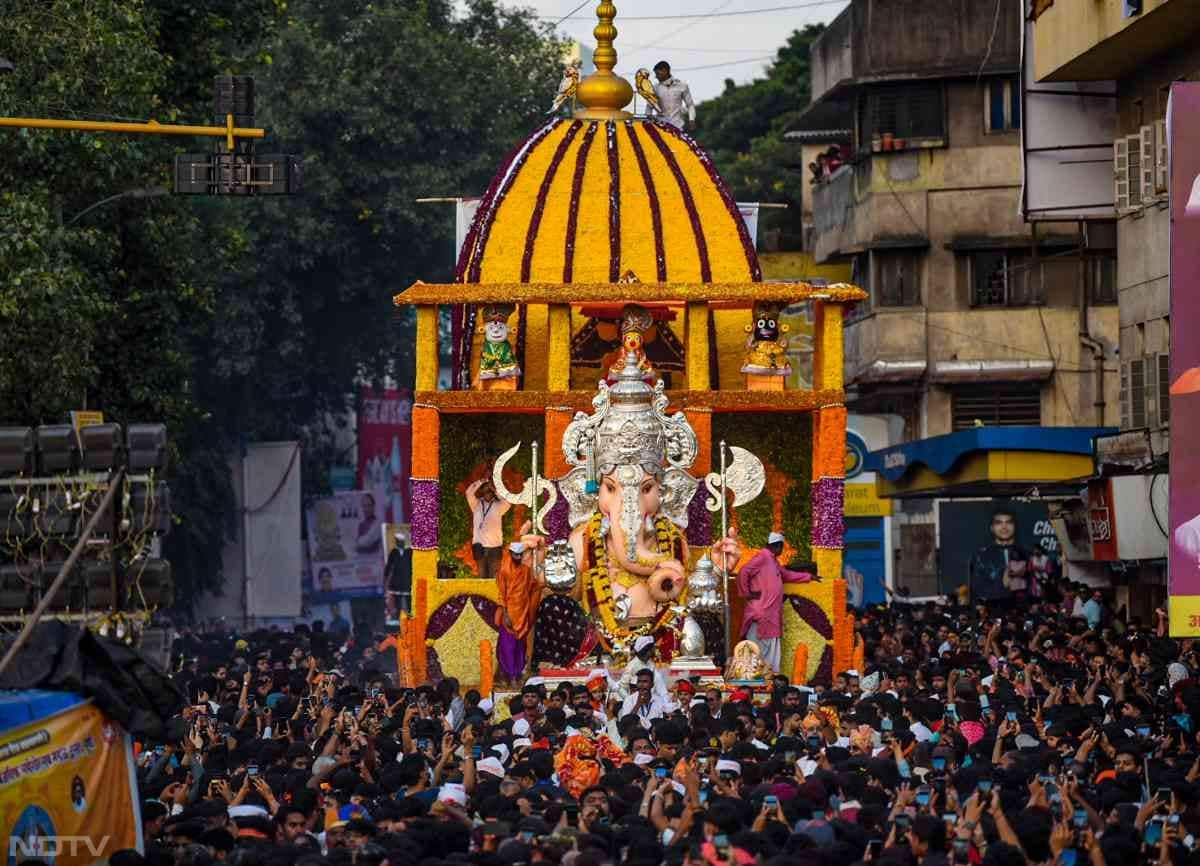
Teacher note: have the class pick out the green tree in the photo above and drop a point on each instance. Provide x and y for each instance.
(239, 320)
(743, 131)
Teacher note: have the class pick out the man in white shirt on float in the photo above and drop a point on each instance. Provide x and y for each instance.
(674, 98)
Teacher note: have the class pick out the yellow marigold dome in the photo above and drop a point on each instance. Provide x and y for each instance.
(585, 200)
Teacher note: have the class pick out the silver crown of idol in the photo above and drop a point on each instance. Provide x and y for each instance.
(629, 430)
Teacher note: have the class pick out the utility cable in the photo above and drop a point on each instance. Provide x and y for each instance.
(763, 11)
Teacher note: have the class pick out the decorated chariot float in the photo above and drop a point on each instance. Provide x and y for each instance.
(619, 385)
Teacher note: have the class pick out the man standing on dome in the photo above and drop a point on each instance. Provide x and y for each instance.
(760, 581)
(673, 97)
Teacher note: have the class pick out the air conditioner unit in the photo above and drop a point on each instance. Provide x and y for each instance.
(1162, 168)
(1148, 160)
(1121, 175)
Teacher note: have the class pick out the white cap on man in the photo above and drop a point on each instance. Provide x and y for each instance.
(775, 538)
(642, 643)
(517, 547)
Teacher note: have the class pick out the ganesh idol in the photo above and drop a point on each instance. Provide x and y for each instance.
(625, 559)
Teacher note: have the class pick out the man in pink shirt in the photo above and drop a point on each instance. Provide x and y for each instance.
(760, 582)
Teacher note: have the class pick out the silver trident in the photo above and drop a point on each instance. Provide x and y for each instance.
(535, 486)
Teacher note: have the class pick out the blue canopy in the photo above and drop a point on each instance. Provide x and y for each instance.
(940, 453)
(25, 706)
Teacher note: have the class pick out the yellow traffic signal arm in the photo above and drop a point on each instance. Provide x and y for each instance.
(230, 132)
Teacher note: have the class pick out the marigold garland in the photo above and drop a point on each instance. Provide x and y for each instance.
(829, 456)
(749, 248)
(697, 347)
(701, 420)
(486, 667)
(800, 665)
(827, 363)
(539, 204)
(639, 152)
(426, 440)
(689, 203)
(557, 420)
(558, 373)
(486, 217)
(597, 583)
(427, 348)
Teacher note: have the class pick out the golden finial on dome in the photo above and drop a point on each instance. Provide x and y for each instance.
(603, 95)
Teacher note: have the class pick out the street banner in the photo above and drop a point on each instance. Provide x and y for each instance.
(464, 214)
(345, 546)
(1183, 133)
(749, 211)
(67, 782)
(385, 449)
(999, 549)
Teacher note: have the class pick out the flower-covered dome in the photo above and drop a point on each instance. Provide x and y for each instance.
(585, 200)
(594, 198)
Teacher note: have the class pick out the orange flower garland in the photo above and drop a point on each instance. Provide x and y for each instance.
(557, 419)
(800, 664)
(829, 440)
(426, 441)
(486, 667)
(701, 420)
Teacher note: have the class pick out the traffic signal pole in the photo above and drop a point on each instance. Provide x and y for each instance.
(229, 132)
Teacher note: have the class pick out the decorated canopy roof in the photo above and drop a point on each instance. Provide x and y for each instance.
(586, 200)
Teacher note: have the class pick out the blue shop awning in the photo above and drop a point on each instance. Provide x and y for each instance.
(986, 461)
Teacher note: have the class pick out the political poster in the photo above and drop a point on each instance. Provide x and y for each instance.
(385, 450)
(1183, 131)
(345, 546)
(66, 781)
(998, 548)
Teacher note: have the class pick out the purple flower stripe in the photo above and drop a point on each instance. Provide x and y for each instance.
(614, 204)
(445, 616)
(426, 508)
(504, 178)
(535, 219)
(812, 614)
(485, 607)
(558, 518)
(660, 254)
(828, 526)
(688, 202)
(726, 196)
(585, 148)
(699, 529)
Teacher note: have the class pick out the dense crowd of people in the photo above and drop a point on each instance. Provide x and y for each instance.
(1042, 736)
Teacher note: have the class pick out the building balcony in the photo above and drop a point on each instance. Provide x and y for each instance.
(939, 39)
(1086, 40)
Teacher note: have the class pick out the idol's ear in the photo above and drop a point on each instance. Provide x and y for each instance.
(574, 488)
(678, 489)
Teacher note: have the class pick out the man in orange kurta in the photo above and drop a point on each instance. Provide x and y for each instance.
(519, 592)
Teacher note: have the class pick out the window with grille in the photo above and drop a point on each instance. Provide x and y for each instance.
(908, 111)
(1002, 105)
(1005, 278)
(1001, 404)
(860, 276)
(898, 281)
(1101, 275)
(1146, 392)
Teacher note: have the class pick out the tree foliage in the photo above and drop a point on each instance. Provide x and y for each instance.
(743, 130)
(239, 320)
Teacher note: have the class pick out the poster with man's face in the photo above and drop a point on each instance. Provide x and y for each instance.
(999, 547)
